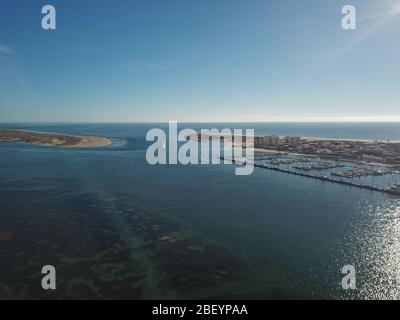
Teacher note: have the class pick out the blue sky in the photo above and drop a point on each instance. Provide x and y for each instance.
(208, 60)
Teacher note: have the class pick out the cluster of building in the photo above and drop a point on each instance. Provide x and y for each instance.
(379, 152)
(366, 151)
(261, 141)
(372, 152)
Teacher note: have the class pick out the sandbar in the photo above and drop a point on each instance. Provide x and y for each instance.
(52, 139)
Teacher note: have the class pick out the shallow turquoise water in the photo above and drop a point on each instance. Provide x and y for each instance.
(116, 227)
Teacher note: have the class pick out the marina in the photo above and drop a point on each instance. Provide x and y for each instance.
(373, 178)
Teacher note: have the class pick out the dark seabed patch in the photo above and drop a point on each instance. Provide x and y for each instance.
(103, 246)
(5, 235)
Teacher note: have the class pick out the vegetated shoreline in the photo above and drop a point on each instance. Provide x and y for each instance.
(50, 139)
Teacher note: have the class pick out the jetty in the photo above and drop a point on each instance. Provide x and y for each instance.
(326, 178)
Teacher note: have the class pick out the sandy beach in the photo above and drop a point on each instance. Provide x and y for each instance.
(91, 142)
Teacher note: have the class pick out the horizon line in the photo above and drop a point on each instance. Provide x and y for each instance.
(167, 121)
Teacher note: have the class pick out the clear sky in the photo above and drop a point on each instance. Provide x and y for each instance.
(199, 60)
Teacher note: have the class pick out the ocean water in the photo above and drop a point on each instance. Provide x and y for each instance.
(116, 227)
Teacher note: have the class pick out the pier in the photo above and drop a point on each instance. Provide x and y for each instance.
(347, 183)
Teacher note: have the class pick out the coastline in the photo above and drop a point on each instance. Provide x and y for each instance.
(360, 151)
(91, 142)
(210, 135)
(50, 139)
(349, 140)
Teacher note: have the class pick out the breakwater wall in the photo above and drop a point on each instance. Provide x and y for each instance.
(347, 183)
